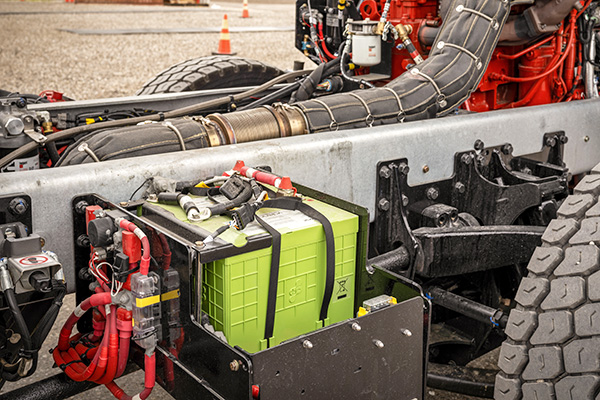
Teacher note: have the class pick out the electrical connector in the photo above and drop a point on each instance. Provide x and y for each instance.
(244, 215)
(232, 187)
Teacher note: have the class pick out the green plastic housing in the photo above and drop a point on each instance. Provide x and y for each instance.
(235, 289)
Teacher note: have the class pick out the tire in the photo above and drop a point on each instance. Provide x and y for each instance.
(213, 72)
(552, 350)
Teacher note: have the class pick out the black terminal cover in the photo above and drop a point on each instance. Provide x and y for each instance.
(100, 231)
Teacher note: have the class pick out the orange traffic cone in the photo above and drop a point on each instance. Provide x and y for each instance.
(245, 13)
(224, 42)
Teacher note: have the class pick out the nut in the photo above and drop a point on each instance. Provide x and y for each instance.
(384, 205)
(385, 172)
(307, 344)
(356, 327)
(425, 168)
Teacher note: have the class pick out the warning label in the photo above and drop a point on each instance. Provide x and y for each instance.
(33, 260)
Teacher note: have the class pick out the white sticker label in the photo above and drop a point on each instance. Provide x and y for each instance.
(280, 219)
(23, 164)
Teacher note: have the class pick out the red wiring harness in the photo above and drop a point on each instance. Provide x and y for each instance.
(102, 355)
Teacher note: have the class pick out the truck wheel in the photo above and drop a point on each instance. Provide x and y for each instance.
(213, 72)
(552, 350)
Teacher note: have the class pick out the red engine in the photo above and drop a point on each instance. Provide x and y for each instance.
(545, 67)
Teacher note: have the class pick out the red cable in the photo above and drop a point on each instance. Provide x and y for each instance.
(527, 50)
(325, 49)
(506, 78)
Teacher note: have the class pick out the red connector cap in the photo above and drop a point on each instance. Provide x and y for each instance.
(255, 392)
(239, 165)
(89, 214)
(132, 247)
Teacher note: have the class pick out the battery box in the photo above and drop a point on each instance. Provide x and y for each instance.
(235, 285)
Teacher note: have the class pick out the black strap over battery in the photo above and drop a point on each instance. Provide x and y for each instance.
(293, 204)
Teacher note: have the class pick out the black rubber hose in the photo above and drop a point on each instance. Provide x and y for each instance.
(11, 300)
(52, 152)
(47, 321)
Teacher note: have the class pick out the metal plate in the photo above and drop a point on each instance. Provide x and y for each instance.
(356, 367)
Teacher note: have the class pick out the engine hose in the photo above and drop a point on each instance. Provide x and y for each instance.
(435, 87)
(180, 112)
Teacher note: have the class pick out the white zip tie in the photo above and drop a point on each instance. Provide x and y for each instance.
(333, 126)
(369, 118)
(401, 114)
(478, 63)
(493, 22)
(441, 99)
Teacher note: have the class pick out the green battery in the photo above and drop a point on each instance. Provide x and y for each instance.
(235, 289)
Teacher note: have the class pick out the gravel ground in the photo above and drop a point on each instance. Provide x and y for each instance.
(36, 55)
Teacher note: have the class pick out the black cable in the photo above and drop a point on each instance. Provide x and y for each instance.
(270, 98)
(138, 189)
(52, 152)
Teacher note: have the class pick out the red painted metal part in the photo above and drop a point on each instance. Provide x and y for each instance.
(522, 61)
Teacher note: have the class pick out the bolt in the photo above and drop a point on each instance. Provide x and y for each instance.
(526, 171)
(466, 159)
(425, 168)
(563, 138)
(586, 138)
(378, 343)
(460, 187)
(404, 169)
(234, 365)
(307, 344)
(356, 327)
(550, 142)
(507, 149)
(384, 205)
(80, 207)
(480, 159)
(406, 332)
(83, 241)
(152, 197)
(42, 241)
(123, 204)
(385, 172)
(432, 193)
(404, 200)
(370, 269)
(18, 206)
(199, 243)
(478, 145)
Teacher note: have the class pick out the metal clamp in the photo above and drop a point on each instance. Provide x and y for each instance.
(478, 63)
(83, 147)
(172, 127)
(35, 136)
(401, 114)
(441, 99)
(333, 126)
(493, 22)
(369, 119)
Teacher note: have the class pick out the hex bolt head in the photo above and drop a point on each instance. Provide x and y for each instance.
(356, 327)
(385, 172)
(234, 365)
(460, 187)
(307, 344)
(479, 145)
(480, 159)
(378, 343)
(404, 200)
(586, 138)
(466, 159)
(550, 141)
(507, 149)
(425, 168)
(432, 193)
(563, 138)
(406, 332)
(80, 207)
(404, 169)
(384, 205)
(18, 206)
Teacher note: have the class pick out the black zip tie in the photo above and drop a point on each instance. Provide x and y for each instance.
(64, 366)
(161, 116)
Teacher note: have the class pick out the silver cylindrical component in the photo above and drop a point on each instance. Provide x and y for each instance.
(366, 44)
(591, 84)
